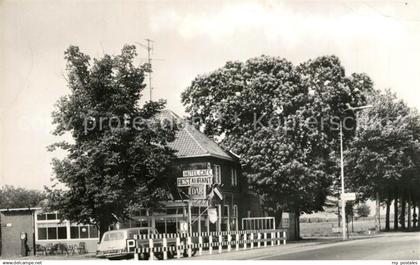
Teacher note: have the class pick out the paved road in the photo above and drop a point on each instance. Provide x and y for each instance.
(390, 246)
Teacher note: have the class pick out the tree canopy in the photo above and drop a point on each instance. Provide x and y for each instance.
(118, 155)
(384, 157)
(282, 120)
(14, 197)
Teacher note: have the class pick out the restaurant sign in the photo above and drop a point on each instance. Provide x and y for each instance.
(188, 181)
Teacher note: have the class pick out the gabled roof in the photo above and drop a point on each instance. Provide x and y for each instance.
(190, 142)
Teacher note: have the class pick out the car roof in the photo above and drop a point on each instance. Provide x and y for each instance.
(131, 228)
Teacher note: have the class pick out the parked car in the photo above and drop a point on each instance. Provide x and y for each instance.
(114, 243)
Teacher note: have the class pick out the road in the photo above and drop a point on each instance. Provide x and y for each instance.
(389, 246)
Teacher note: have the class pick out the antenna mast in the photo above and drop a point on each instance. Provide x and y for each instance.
(149, 66)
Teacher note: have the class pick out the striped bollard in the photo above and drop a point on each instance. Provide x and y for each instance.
(284, 237)
(245, 240)
(189, 246)
(259, 240)
(220, 242)
(229, 238)
(178, 246)
(136, 254)
(265, 239)
(252, 240)
(237, 240)
(200, 245)
(165, 247)
(151, 255)
(210, 244)
(278, 238)
(272, 239)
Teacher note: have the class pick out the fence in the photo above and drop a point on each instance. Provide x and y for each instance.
(257, 223)
(178, 244)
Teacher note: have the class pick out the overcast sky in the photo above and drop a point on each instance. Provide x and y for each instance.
(380, 38)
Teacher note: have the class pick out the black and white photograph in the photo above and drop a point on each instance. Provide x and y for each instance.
(209, 131)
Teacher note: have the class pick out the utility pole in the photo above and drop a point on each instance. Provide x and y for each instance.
(343, 202)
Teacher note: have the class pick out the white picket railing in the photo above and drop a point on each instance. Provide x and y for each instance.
(178, 244)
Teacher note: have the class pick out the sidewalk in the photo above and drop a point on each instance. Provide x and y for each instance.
(291, 246)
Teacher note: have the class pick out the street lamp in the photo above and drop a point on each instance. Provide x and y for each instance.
(343, 201)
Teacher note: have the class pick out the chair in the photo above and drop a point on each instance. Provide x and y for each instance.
(82, 248)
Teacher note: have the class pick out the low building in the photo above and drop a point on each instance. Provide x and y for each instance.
(15, 223)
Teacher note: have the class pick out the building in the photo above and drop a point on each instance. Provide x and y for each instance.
(195, 152)
(14, 222)
(227, 197)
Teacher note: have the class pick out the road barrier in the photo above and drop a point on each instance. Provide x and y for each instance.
(178, 244)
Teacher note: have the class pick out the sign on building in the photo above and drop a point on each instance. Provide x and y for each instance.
(197, 192)
(188, 181)
(212, 213)
(198, 173)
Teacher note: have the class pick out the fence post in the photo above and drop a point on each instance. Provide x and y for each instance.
(229, 238)
(278, 238)
(245, 240)
(200, 244)
(178, 246)
(237, 240)
(284, 237)
(220, 242)
(210, 244)
(252, 240)
(265, 239)
(165, 247)
(151, 255)
(189, 246)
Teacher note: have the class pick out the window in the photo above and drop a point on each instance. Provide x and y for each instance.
(51, 216)
(42, 233)
(41, 217)
(48, 216)
(62, 232)
(52, 233)
(235, 211)
(74, 232)
(93, 232)
(234, 177)
(86, 231)
(217, 174)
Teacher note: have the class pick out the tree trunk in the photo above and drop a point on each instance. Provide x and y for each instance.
(298, 225)
(378, 213)
(278, 217)
(388, 206)
(415, 219)
(409, 211)
(402, 215)
(102, 229)
(396, 212)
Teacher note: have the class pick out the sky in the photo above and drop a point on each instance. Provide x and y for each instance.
(380, 38)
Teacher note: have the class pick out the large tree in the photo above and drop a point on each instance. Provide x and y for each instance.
(384, 157)
(14, 197)
(118, 155)
(282, 121)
